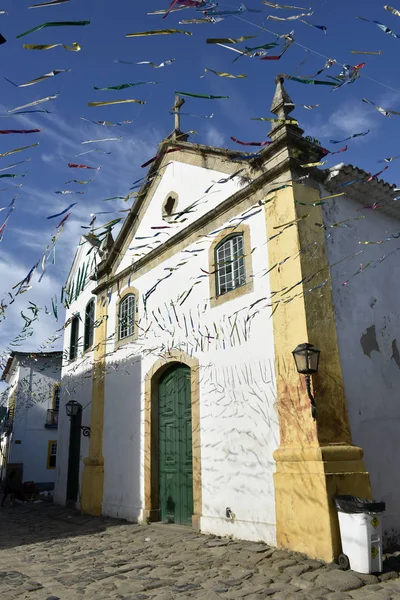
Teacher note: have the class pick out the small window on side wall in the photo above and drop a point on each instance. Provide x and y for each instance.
(230, 270)
(126, 317)
(52, 454)
(73, 346)
(89, 325)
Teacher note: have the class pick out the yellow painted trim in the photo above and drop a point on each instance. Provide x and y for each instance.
(151, 504)
(315, 460)
(216, 300)
(49, 444)
(129, 291)
(93, 471)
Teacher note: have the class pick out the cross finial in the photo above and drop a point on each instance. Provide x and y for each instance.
(179, 102)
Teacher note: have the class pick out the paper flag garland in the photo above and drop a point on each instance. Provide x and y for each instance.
(54, 24)
(350, 138)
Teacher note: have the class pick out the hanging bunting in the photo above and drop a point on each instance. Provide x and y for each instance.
(2, 39)
(360, 52)
(124, 86)
(62, 212)
(66, 192)
(204, 21)
(321, 27)
(35, 103)
(392, 10)
(250, 143)
(112, 139)
(388, 160)
(183, 3)
(146, 164)
(308, 81)
(18, 150)
(350, 138)
(77, 181)
(109, 102)
(15, 164)
(386, 112)
(381, 26)
(166, 63)
(74, 166)
(203, 96)
(292, 18)
(8, 131)
(282, 6)
(223, 74)
(54, 24)
(306, 106)
(174, 112)
(90, 151)
(158, 32)
(51, 3)
(10, 210)
(107, 123)
(229, 40)
(377, 174)
(39, 79)
(11, 175)
(74, 48)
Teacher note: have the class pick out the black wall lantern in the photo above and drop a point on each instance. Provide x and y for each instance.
(73, 408)
(306, 357)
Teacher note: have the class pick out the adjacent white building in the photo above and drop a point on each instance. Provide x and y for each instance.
(29, 430)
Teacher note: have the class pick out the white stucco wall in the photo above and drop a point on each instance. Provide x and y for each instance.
(190, 183)
(76, 382)
(368, 328)
(34, 385)
(239, 423)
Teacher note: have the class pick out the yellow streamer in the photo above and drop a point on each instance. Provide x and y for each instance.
(115, 102)
(315, 164)
(74, 48)
(222, 74)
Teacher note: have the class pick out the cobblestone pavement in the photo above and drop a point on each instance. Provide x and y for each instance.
(51, 553)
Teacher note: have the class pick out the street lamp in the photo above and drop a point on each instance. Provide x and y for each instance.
(73, 408)
(306, 357)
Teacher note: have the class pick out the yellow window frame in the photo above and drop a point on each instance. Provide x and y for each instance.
(49, 447)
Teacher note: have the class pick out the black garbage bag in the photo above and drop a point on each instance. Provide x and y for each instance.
(353, 505)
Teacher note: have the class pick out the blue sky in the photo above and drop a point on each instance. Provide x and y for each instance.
(340, 114)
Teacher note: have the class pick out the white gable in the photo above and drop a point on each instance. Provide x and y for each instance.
(190, 185)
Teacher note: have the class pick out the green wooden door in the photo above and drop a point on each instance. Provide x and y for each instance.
(175, 438)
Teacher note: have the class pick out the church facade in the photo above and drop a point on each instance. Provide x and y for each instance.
(197, 413)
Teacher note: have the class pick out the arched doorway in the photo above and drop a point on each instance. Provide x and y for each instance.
(180, 372)
(175, 464)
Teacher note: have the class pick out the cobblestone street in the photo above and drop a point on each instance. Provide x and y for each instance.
(50, 553)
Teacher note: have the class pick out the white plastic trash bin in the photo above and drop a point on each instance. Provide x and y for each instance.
(360, 523)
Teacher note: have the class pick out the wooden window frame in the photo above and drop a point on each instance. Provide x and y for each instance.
(49, 455)
(248, 286)
(86, 335)
(129, 291)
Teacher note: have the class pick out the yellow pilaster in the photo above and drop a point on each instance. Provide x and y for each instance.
(93, 472)
(316, 459)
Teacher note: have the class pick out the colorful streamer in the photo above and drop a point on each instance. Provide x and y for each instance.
(51, 3)
(203, 96)
(362, 52)
(230, 40)
(8, 131)
(282, 6)
(355, 135)
(74, 166)
(158, 32)
(115, 102)
(124, 86)
(54, 24)
(309, 81)
(146, 164)
(250, 143)
(34, 103)
(39, 79)
(384, 28)
(107, 123)
(76, 181)
(113, 139)
(165, 63)
(62, 212)
(392, 10)
(74, 48)
(223, 74)
(276, 120)
(18, 150)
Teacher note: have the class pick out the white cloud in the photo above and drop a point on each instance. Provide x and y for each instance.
(346, 120)
(214, 137)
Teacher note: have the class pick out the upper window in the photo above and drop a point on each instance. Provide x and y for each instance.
(89, 325)
(126, 317)
(73, 346)
(169, 206)
(56, 397)
(230, 271)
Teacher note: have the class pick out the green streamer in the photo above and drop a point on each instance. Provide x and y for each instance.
(54, 24)
(124, 86)
(204, 96)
